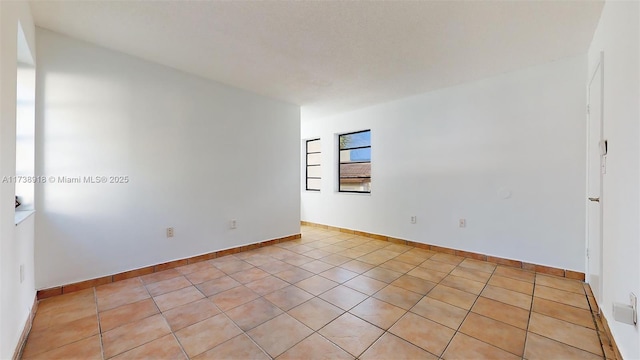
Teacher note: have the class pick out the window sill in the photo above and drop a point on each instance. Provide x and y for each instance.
(361, 193)
(22, 215)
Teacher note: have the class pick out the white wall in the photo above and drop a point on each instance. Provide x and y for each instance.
(16, 242)
(618, 36)
(447, 154)
(197, 154)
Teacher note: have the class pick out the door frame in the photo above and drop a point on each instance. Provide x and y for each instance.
(599, 67)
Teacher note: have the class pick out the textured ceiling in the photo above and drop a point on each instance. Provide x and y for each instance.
(332, 56)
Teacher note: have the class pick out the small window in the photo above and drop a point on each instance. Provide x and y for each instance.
(314, 167)
(354, 170)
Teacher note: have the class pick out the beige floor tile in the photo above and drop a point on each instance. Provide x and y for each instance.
(440, 312)
(66, 302)
(385, 275)
(253, 313)
(398, 266)
(205, 275)
(134, 334)
(494, 332)
(56, 336)
(366, 248)
(478, 265)
(378, 312)
(191, 268)
(294, 275)
(354, 253)
(428, 274)
(231, 298)
(500, 311)
(169, 285)
(218, 285)
(176, 298)
(249, 275)
(334, 250)
(460, 283)
(288, 297)
(191, 313)
(317, 254)
(159, 276)
(397, 296)
(240, 347)
(365, 284)
(357, 266)
(63, 309)
(166, 347)
(276, 266)
(518, 274)
(398, 248)
(231, 266)
(471, 274)
(574, 286)
(336, 259)
(338, 274)
(437, 266)
(297, 260)
(316, 284)
(315, 313)
(315, 347)
(373, 258)
(542, 348)
(207, 334)
(390, 346)
(316, 266)
(125, 314)
(410, 259)
(223, 259)
(412, 283)
(464, 347)
(343, 297)
(301, 248)
(85, 349)
(507, 296)
(267, 285)
(563, 312)
(422, 332)
(561, 296)
(565, 332)
(351, 333)
(511, 284)
(453, 296)
(447, 258)
(279, 334)
(114, 295)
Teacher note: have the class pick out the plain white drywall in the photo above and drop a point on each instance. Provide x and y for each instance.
(16, 242)
(618, 36)
(196, 153)
(456, 152)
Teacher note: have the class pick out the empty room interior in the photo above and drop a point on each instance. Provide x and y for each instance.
(319, 180)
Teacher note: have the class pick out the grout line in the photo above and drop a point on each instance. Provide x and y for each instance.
(95, 299)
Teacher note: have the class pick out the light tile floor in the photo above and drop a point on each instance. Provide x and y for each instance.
(329, 295)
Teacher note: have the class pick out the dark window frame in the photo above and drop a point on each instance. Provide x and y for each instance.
(306, 163)
(354, 162)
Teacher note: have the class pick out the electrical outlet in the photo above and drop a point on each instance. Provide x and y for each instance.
(169, 232)
(233, 224)
(414, 219)
(462, 223)
(21, 273)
